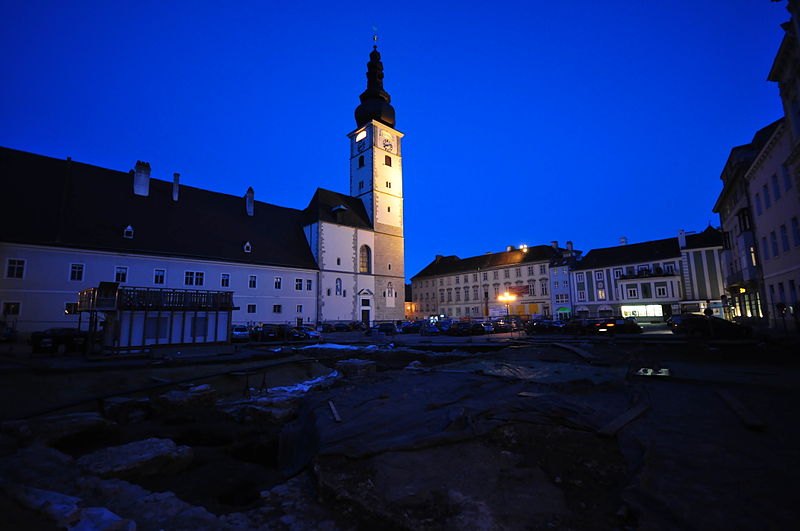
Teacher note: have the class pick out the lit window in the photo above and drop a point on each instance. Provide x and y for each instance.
(338, 285)
(251, 283)
(159, 276)
(601, 294)
(365, 259)
(120, 274)
(15, 268)
(76, 272)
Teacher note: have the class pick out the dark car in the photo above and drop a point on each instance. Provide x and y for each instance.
(7, 334)
(411, 328)
(711, 327)
(501, 326)
(617, 325)
(460, 328)
(582, 326)
(386, 328)
(59, 340)
(544, 326)
(326, 327)
(302, 333)
(429, 329)
(674, 320)
(342, 327)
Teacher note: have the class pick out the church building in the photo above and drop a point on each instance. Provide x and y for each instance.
(66, 227)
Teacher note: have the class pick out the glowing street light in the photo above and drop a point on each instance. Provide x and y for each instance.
(507, 298)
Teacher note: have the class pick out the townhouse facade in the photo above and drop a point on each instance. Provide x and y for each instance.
(651, 280)
(453, 287)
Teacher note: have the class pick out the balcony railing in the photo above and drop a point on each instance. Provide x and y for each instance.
(154, 299)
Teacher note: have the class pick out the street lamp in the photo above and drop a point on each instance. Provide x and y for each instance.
(507, 298)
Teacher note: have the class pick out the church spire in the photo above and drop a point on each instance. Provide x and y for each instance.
(375, 101)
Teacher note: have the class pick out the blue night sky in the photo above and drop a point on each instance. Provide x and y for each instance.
(525, 122)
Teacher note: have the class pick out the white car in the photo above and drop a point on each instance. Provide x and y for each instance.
(240, 333)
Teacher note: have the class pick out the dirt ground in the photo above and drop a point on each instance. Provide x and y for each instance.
(511, 439)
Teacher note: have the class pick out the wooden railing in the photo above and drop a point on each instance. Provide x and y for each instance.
(155, 299)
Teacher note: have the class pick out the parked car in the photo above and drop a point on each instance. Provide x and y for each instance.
(477, 329)
(429, 329)
(58, 339)
(581, 326)
(326, 327)
(711, 327)
(544, 326)
(240, 334)
(389, 329)
(412, 327)
(460, 328)
(618, 325)
(302, 333)
(7, 334)
(342, 327)
(674, 320)
(487, 328)
(502, 325)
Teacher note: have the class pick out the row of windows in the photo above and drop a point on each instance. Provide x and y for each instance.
(387, 161)
(618, 272)
(15, 268)
(776, 190)
(276, 308)
(784, 240)
(485, 276)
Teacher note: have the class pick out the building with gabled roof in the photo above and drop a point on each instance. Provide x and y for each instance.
(651, 280)
(67, 226)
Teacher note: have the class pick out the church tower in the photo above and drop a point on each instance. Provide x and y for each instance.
(376, 177)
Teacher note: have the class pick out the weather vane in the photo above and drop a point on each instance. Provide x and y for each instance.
(375, 34)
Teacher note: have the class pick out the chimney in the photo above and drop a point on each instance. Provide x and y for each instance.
(569, 246)
(248, 200)
(554, 244)
(141, 178)
(623, 240)
(681, 238)
(175, 184)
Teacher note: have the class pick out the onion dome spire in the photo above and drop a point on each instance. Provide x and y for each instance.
(375, 101)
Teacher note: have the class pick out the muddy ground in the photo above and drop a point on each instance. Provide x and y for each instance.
(523, 438)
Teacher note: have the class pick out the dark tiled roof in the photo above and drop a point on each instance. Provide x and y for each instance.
(338, 208)
(448, 265)
(65, 203)
(652, 251)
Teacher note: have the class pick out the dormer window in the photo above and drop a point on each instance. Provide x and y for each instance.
(128, 232)
(247, 247)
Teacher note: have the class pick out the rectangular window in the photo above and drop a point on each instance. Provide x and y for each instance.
(543, 287)
(601, 294)
(661, 291)
(532, 288)
(76, 272)
(360, 183)
(441, 295)
(785, 238)
(773, 238)
(506, 273)
(388, 184)
(617, 273)
(387, 160)
(15, 268)
(530, 270)
(775, 188)
(466, 293)
(474, 277)
(276, 308)
(466, 279)
(449, 295)
(278, 282)
(787, 177)
(598, 275)
(764, 248)
(519, 272)
(458, 295)
(632, 292)
(555, 284)
(566, 283)
(308, 285)
(485, 275)
(475, 293)
(495, 275)
(225, 280)
(458, 280)
(193, 278)
(581, 295)
(579, 277)
(252, 281)
(10, 308)
(299, 308)
(669, 268)
(767, 201)
(758, 203)
(298, 284)
(159, 276)
(796, 231)
(120, 274)
(542, 269)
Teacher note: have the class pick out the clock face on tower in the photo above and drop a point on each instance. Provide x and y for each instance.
(386, 140)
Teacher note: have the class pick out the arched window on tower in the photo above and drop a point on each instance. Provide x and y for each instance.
(388, 160)
(361, 161)
(389, 290)
(338, 286)
(365, 259)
